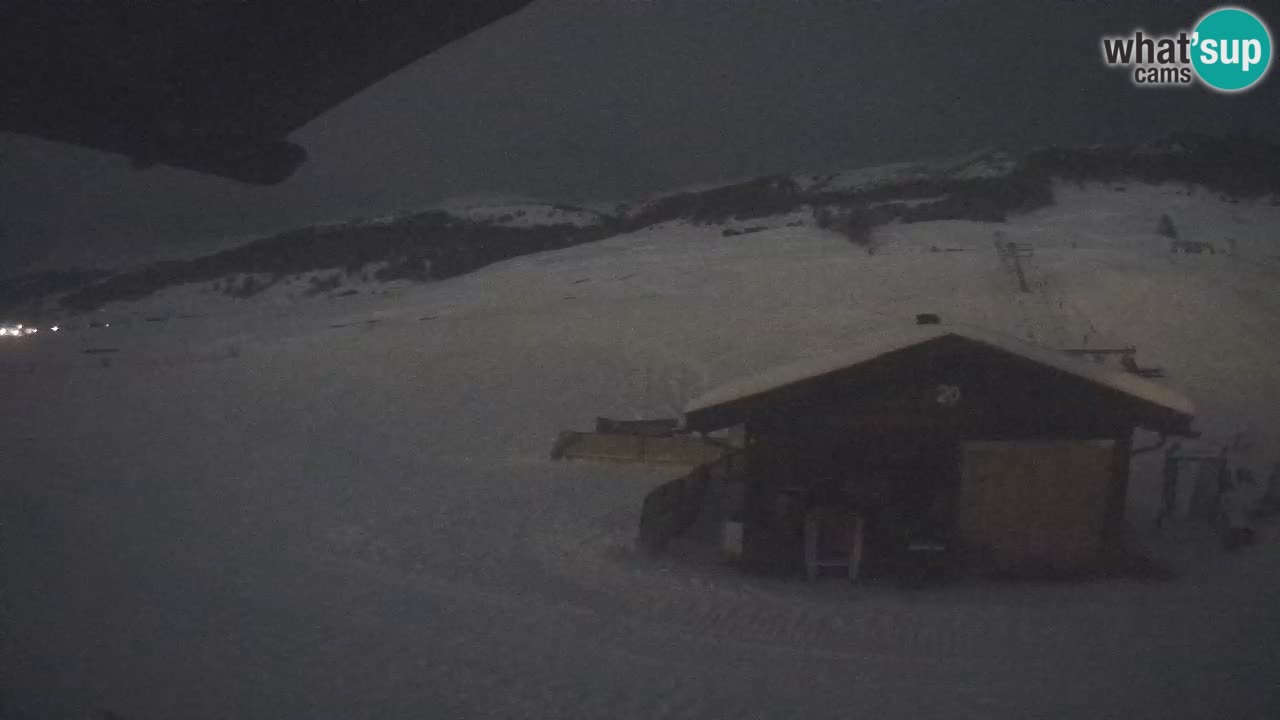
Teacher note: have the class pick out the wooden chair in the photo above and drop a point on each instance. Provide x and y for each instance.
(832, 538)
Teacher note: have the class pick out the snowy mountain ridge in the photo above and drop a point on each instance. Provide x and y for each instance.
(463, 234)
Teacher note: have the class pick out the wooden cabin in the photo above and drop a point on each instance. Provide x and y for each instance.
(1016, 454)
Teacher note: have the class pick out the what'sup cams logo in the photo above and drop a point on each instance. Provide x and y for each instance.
(1229, 50)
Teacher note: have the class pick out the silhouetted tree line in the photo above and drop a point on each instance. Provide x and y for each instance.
(1237, 166)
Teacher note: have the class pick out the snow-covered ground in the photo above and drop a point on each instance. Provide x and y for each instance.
(314, 507)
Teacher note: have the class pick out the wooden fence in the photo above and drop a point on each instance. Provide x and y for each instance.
(685, 450)
(663, 427)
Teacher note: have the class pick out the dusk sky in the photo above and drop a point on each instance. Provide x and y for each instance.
(591, 100)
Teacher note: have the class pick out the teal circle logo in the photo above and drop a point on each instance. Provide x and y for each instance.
(1231, 49)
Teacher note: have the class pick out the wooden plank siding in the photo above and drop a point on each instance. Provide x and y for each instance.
(1038, 505)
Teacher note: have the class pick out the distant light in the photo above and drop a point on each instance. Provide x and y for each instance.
(19, 326)
(54, 328)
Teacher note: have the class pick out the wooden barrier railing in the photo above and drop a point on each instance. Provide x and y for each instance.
(672, 507)
(684, 450)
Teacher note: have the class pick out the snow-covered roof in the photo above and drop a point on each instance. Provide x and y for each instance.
(887, 342)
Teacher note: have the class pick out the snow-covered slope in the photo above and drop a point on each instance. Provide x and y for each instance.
(278, 507)
(465, 234)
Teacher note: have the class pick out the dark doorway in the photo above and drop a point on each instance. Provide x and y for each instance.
(902, 484)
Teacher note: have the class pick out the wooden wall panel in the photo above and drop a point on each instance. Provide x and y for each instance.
(1037, 504)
